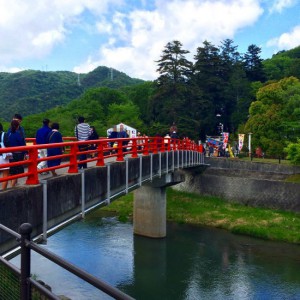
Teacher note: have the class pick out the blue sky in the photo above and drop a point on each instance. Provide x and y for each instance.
(129, 35)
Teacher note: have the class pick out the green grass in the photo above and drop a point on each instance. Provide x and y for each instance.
(294, 178)
(267, 160)
(193, 209)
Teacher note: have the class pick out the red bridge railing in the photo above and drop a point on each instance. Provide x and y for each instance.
(103, 148)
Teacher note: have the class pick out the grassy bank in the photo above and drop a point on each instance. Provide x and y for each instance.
(210, 211)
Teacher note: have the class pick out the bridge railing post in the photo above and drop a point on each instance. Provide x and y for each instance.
(120, 151)
(33, 177)
(141, 171)
(82, 192)
(169, 145)
(134, 149)
(151, 166)
(180, 145)
(108, 184)
(173, 160)
(159, 164)
(73, 158)
(162, 145)
(176, 144)
(167, 162)
(45, 210)
(25, 288)
(146, 147)
(100, 156)
(155, 145)
(126, 175)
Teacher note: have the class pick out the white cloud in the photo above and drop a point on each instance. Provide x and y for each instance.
(134, 38)
(280, 5)
(11, 70)
(48, 38)
(145, 33)
(31, 28)
(287, 40)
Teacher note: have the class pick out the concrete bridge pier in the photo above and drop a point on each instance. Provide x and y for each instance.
(150, 203)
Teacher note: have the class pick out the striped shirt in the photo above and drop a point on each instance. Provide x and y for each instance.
(82, 131)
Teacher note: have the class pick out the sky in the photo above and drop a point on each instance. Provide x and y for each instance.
(130, 35)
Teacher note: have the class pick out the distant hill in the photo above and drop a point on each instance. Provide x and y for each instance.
(29, 92)
(292, 53)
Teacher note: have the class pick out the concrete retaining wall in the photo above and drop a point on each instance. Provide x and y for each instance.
(236, 164)
(253, 184)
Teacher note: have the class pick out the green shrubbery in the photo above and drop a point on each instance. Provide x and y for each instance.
(293, 151)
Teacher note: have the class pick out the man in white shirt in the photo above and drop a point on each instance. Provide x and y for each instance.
(82, 132)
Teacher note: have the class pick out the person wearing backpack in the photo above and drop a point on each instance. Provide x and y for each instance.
(94, 136)
(54, 137)
(3, 156)
(41, 138)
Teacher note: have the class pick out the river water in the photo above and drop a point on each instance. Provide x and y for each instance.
(190, 263)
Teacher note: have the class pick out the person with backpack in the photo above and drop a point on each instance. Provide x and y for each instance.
(54, 136)
(94, 136)
(41, 138)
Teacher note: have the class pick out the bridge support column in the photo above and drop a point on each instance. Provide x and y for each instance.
(149, 217)
(150, 203)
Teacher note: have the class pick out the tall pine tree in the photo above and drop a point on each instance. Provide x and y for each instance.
(174, 70)
(253, 64)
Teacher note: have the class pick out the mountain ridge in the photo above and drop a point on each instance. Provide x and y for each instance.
(29, 92)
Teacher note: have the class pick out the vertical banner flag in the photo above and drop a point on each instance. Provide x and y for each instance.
(225, 139)
(241, 141)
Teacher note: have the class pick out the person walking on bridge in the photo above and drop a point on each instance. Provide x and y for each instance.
(122, 134)
(82, 132)
(41, 138)
(54, 136)
(4, 159)
(21, 130)
(16, 140)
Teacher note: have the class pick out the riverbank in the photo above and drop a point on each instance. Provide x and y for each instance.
(193, 209)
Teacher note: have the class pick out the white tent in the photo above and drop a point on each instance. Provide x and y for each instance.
(131, 130)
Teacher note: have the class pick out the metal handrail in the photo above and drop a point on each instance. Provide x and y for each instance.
(25, 275)
(103, 286)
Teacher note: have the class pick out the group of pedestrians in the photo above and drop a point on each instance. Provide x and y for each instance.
(15, 137)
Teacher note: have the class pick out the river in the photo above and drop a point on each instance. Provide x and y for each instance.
(190, 263)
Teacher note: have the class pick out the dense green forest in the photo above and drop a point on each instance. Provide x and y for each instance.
(221, 89)
(30, 92)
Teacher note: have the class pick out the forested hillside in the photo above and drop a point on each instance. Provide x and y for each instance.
(29, 92)
(220, 90)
